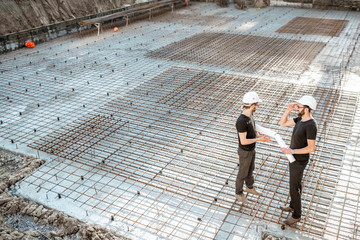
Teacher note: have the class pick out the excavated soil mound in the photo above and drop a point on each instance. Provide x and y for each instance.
(18, 15)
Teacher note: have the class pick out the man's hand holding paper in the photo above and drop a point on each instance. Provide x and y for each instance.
(277, 137)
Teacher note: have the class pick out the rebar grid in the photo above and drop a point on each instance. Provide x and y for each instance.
(346, 198)
(115, 63)
(171, 168)
(194, 18)
(317, 26)
(246, 52)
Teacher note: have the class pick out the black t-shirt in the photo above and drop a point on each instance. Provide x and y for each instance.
(301, 133)
(246, 124)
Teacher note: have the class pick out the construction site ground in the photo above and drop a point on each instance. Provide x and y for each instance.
(133, 131)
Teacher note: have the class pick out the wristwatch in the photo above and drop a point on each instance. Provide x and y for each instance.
(292, 151)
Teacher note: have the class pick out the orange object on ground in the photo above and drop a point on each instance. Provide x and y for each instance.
(30, 44)
(116, 29)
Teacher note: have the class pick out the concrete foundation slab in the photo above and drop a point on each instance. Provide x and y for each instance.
(137, 126)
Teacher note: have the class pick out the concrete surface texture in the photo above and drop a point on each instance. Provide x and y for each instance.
(137, 127)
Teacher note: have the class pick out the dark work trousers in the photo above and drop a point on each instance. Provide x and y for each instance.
(296, 174)
(246, 168)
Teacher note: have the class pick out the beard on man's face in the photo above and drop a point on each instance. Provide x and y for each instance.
(255, 109)
(301, 113)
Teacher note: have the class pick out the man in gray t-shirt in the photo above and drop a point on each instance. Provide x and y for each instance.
(245, 126)
(302, 143)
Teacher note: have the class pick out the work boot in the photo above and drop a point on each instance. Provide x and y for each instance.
(241, 198)
(286, 209)
(253, 191)
(290, 220)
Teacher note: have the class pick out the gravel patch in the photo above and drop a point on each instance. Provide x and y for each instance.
(23, 223)
(9, 163)
(269, 236)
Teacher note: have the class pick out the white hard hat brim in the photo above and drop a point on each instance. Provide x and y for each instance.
(303, 103)
(258, 101)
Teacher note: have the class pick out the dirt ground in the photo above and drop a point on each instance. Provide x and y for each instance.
(24, 219)
(17, 15)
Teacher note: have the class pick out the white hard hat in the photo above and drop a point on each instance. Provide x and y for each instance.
(250, 98)
(308, 101)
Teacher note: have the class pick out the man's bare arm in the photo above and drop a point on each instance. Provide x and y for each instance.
(284, 120)
(310, 148)
(246, 141)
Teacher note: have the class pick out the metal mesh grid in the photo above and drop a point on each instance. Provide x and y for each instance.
(191, 19)
(317, 26)
(103, 193)
(171, 168)
(245, 52)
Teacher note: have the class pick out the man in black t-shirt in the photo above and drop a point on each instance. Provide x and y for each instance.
(302, 143)
(247, 137)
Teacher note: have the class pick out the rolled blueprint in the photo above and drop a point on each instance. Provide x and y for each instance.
(277, 137)
(283, 145)
(265, 131)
